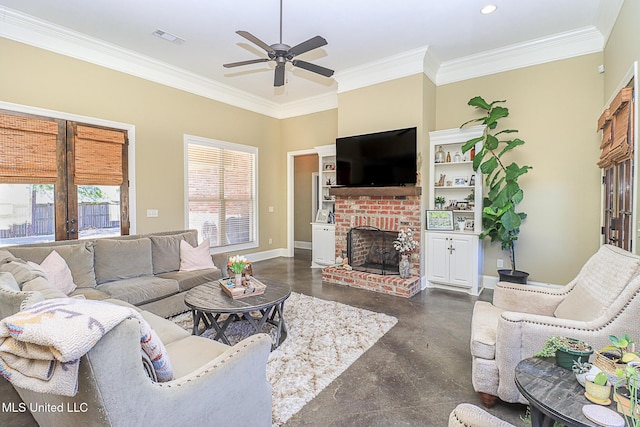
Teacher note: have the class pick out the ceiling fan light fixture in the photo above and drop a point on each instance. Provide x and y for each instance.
(488, 9)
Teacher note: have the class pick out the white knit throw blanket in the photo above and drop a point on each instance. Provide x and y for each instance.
(41, 347)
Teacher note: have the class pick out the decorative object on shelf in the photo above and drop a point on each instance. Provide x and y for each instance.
(322, 216)
(472, 180)
(500, 220)
(440, 182)
(439, 202)
(457, 158)
(440, 220)
(460, 181)
(405, 245)
(462, 223)
(439, 156)
(473, 153)
(449, 183)
(469, 226)
(453, 205)
(448, 160)
(329, 166)
(566, 350)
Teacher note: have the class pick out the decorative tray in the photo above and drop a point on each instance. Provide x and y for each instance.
(250, 287)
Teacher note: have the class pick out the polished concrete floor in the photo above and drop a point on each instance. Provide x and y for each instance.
(413, 376)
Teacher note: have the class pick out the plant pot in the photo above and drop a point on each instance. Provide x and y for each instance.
(622, 397)
(597, 393)
(513, 276)
(581, 377)
(566, 356)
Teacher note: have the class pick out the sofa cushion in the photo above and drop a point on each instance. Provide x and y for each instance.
(122, 259)
(90, 293)
(79, 258)
(190, 279)
(192, 352)
(44, 287)
(139, 290)
(165, 251)
(484, 325)
(598, 284)
(22, 271)
(58, 273)
(7, 281)
(197, 258)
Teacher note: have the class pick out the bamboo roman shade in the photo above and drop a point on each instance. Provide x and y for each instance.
(28, 149)
(617, 130)
(98, 155)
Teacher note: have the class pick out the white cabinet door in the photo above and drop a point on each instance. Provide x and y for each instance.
(438, 257)
(323, 244)
(462, 260)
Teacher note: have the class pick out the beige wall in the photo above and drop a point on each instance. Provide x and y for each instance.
(162, 116)
(304, 167)
(623, 47)
(555, 107)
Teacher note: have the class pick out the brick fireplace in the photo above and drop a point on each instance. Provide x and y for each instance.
(387, 209)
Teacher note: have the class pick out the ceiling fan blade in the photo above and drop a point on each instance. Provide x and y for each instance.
(253, 39)
(279, 77)
(312, 67)
(310, 44)
(251, 61)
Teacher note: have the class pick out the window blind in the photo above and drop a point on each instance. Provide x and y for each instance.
(98, 155)
(616, 125)
(28, 149)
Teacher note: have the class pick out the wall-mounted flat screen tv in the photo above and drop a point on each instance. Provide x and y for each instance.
(377, 159)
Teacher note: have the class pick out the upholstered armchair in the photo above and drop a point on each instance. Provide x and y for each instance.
(602, 300)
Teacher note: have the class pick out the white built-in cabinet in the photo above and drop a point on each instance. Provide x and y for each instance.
(323, 244)
(323, 234)
(454, 257)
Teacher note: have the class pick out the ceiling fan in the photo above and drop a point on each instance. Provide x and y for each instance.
(282, 53)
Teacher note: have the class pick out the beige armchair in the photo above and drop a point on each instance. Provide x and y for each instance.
(603, 300)
(214, 384)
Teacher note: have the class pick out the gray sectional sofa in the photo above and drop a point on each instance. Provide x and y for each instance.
(141, 269)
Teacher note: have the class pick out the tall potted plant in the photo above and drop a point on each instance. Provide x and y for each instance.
(500, 220)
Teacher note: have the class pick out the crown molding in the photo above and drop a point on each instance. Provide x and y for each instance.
(390, 68)
(431, 65)
(35, 32)
(309, 105)
(559, 46)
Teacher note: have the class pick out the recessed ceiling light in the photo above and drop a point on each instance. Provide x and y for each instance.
(490, 8)
(168, 36)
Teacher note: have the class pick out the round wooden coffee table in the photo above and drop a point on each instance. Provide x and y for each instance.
(208, 302)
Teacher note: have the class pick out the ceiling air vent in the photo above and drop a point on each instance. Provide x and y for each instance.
(168, 37)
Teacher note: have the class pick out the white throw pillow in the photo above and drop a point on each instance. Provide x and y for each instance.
(58, 273)
(198, 258)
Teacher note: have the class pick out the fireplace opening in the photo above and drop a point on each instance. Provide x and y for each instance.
(371, 250)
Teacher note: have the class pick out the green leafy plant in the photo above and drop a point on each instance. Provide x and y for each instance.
(500, 220)
(471, 196)
(552, 344)
(630, 375)
(439, 200)
(621, 348)
(600, 378)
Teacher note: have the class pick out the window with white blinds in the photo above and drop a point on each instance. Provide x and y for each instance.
(221, 192)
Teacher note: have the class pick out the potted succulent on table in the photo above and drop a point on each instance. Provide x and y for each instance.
(500, 220)
(566, 351)
(581, 369)
(598, 388)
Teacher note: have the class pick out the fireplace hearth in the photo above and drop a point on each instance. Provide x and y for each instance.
(371, 250)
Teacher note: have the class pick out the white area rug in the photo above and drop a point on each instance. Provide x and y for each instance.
(325, 337)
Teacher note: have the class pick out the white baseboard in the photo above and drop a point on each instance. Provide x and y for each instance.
(302, 245)
(262, 256)
(489, 282)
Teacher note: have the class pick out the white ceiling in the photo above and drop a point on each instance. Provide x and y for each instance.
(365, 38)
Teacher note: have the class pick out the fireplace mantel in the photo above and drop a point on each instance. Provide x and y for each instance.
(375, 191)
